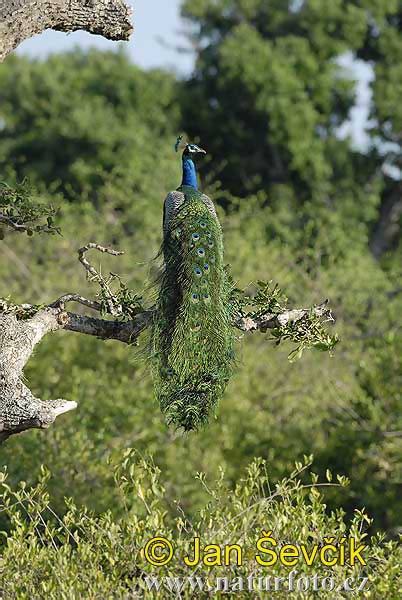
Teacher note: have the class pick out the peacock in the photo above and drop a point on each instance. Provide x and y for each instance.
(192, 337)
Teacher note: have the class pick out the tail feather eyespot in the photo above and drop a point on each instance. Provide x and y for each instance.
(194, 298)
(201, 252)
(198, 272)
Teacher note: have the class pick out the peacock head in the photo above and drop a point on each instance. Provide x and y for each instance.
(189, 150)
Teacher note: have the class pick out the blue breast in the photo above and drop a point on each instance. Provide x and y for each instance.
(189, 173)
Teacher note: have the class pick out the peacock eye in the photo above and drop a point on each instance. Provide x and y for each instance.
(195, 236)
(207, 298)
(206, 267)
(201, 252)
(210, 244)
(203, 224)
(194, 298)
(198, 272)
(204, 283)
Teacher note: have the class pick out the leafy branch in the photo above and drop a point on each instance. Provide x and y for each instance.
(268, 310)
(20, 213)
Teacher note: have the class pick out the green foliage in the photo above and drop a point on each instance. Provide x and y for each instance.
(98, 103)
(84, 554)
(307, 331)
(269, 93)
(18, 211)
(131, 304)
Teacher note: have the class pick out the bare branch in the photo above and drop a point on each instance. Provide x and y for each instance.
(94, 246)
(114, 308)
(63, 300)
(109, 330)
(19, 408)
(21, 19)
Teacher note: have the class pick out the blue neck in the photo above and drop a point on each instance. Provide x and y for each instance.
(189, 173)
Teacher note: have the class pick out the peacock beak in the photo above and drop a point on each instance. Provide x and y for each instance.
(198, 150)
(194, 149)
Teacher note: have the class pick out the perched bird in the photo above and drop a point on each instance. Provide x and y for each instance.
(192, 337)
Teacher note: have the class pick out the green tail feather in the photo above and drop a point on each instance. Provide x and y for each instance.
(192, 337)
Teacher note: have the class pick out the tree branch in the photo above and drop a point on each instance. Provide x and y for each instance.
(23, 326)
(273, 321)
(19, 408)
(114, 308)
(21, 19)
(11, 223)
(125, 332)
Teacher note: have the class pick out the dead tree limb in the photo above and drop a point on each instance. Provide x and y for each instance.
(21, 19)
(19, 408)
(23, 327)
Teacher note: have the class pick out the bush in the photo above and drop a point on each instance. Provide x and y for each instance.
(82, 554)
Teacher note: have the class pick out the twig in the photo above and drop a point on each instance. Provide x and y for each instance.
(114, 307)
(63, 300)
(11, 223)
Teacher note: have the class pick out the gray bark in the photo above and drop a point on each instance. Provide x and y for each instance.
(19, 408)
(21, 19)
(126, 332)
